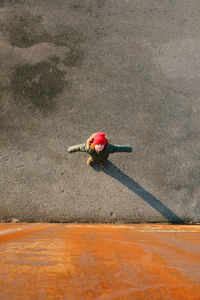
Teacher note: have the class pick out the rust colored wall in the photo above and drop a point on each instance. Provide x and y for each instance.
(59, 261)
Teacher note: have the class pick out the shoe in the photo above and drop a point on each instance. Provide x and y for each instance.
(89, 161)
(102, 164)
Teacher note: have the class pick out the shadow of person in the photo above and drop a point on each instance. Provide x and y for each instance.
(116, 173)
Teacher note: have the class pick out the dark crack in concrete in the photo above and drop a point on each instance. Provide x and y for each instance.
(39, 83)
(25, 30)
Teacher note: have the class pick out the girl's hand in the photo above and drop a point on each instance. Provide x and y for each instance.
(69, 149)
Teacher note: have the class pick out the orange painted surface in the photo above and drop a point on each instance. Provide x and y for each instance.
(86, 261)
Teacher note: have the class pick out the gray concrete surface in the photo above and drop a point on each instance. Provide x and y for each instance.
(73, 67)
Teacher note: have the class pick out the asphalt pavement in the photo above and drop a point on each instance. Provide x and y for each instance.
(73, 67)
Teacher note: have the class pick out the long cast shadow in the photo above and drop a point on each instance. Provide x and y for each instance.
(116, 173)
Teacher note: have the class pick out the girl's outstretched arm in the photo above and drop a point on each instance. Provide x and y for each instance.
(76, 148)
(118, 148)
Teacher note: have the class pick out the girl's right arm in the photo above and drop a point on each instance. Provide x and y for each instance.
(76, 148)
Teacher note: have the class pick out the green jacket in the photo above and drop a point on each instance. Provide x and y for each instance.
(101, 156)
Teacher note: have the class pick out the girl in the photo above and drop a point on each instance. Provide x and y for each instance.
(98, 147)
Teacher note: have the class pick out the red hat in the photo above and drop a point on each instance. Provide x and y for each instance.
(100, 138)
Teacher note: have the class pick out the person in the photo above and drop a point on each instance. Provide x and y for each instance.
(99, 148)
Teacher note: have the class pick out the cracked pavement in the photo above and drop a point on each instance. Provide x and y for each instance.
(128, 68)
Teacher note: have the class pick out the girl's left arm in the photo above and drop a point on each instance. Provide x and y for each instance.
(118, 148)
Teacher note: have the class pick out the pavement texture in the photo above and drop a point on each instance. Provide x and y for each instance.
(99, 261)
(73, 67)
